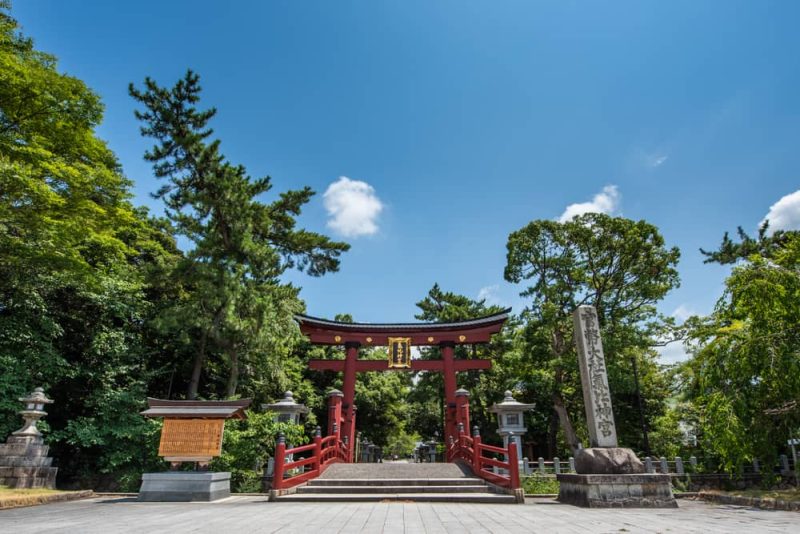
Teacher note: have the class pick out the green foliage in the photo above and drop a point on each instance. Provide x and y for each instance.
(485, 387)
(622, 268)
(247, 445)
(667, 436)
(381, 401)
(540, 485)
(75, 259)
(234, 307)
(765, 245)
(744, 376)
(401, 444)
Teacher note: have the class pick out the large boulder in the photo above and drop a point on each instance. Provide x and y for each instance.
(607, 461)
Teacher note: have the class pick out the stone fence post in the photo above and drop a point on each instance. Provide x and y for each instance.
(541, 466)
(557, 465)
(664, 465)
(571, 464)
(784, 464)
(526, 466)
(679, 465)
(693, 462)
(648, 464)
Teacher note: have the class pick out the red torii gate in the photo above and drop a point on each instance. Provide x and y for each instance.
(444, 335)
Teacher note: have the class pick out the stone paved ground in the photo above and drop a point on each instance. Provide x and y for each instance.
(252, 514)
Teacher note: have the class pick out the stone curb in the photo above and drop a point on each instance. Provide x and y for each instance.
(677, 495)
(763, 503)
(33, 500)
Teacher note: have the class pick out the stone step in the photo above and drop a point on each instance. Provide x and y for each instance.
(396, 482)
(309, 489)
(394, 470)
(489, 498)
(25, 461)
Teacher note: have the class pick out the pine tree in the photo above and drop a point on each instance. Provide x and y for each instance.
(240, 246)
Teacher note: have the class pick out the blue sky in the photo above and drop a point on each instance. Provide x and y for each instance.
(457, 123)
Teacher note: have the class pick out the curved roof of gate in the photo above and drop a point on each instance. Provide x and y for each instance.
(469, 323)
(478, 330)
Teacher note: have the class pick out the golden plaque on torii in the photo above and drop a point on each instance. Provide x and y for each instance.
(193, 430)
(399, 352)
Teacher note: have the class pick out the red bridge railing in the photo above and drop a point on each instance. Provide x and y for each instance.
(472, 451)
(316, 457)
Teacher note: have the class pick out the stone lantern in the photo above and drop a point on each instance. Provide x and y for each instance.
(286, 410)
(510, 423)
(33, 411)
(23, 458)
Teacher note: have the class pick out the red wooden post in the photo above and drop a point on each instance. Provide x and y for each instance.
(513, 464)
(351, 438)
(449, 375)
(477, 464)
(334, 411)
(318, 449)
(349, 387)
(280, 461)
(462, 408)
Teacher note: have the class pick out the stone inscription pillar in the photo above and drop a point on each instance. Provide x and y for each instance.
(596, 395)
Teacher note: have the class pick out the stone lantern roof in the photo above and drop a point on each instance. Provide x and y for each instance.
(286, 405)
(510, 404)
(35, 400)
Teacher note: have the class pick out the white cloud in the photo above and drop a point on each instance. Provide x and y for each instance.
(785, 213)
(648, 159)
(683, 312)
(672, 353)
(489, 294)
(657, 160)
(353, 207)
(607, 201)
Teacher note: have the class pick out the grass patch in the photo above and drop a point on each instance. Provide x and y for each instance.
(13, 497)
(6, 492)
(539, 485)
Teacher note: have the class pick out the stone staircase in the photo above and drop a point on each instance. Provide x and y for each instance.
(397, 481)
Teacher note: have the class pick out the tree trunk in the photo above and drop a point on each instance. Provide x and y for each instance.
(566, 424)
(233, 377)
(199, 360)
(552, 437)
(558, 347)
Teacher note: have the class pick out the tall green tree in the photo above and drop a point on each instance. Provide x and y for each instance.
(620, 266)
(240, 245)
(744, 376)
(75, 263)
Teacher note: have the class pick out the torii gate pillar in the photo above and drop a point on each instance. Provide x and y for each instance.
(349, 387)
(449, 376)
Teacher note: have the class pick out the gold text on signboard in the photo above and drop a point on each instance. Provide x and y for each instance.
(399, 352)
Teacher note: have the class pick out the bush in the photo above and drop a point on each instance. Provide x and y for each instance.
(540, 485)
(248, 444)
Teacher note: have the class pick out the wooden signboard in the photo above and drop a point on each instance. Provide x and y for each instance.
(191, 438)
(399, 353)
